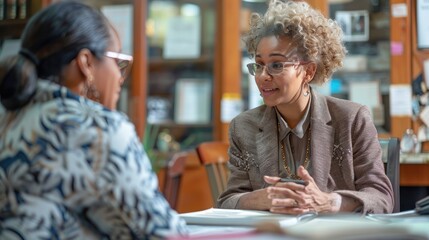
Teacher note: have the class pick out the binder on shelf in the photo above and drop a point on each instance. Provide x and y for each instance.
(11, 7)
(2, 8)
(22, 9)
(192, 101)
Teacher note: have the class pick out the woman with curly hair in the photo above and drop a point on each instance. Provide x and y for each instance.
(330, 144)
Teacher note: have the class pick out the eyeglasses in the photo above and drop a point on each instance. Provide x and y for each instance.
(124, 62)
(274, 68)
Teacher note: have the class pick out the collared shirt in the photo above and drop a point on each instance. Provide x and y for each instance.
(295, 142)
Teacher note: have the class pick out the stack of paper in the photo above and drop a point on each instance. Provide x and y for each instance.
(233, 217)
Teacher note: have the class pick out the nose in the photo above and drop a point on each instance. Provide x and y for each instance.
(265, 75)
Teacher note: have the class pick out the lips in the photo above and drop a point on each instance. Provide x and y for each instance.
(265, 92)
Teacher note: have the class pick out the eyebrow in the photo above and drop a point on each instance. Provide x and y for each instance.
(273, 55)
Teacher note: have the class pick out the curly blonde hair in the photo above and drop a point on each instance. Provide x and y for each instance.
(317, 38)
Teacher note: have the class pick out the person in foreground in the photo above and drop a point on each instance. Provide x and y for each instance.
(331, 144)
(71, 168)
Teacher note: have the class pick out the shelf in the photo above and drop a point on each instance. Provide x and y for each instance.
(414, 175)
(171, 123)
(12, 28)
(158, 63)
(366, 72)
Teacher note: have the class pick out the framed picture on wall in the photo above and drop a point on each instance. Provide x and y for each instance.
(355, 25)
(422, 24)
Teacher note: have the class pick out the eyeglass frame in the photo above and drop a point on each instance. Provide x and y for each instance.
(269, 66)
(125, 70)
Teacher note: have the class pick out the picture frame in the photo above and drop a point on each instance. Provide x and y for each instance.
(355, 25)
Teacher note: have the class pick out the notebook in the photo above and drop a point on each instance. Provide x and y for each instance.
(234, 217)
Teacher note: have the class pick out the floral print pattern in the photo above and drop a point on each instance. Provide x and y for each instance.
(72, 169)
(243, 161)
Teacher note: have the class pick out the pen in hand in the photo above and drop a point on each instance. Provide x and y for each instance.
(297, 181)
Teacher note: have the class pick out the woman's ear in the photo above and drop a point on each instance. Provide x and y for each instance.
(85, 63)
(310, 71)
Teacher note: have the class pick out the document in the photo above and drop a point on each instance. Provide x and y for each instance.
(183, 38)
(234, 217)
(348, 227)
(400, 100)
(121, 17)
(192, 101)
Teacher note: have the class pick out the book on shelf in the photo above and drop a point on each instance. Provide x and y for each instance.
(22, 9)
(10, 11)
(2, 8)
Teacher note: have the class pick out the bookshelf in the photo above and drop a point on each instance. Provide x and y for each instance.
(12, 22)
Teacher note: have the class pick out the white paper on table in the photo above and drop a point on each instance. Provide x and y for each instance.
(235, 217)
(400, 100)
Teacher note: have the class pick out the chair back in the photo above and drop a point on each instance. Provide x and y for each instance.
(173, 176)
(391, 150)
(214, 156)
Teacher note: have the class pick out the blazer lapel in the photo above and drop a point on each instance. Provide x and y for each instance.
(267, 143)
(322, 135)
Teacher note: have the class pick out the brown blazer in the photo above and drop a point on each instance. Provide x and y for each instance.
(345, 153)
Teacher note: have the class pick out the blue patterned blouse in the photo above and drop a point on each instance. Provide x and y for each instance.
(71, 169)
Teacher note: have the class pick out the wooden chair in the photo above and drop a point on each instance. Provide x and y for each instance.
(391, 149)
(214, 156)
(173, 175)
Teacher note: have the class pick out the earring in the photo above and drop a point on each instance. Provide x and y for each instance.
(307, 86)
(90, 91)
(84, 90)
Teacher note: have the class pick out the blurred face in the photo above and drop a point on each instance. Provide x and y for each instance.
(279, 72)
(107, 76)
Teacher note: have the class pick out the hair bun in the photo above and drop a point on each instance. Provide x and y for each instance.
(19, 81)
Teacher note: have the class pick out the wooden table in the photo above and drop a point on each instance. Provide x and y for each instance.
(195, 192)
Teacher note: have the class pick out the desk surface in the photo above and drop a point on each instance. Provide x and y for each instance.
(330, 227)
